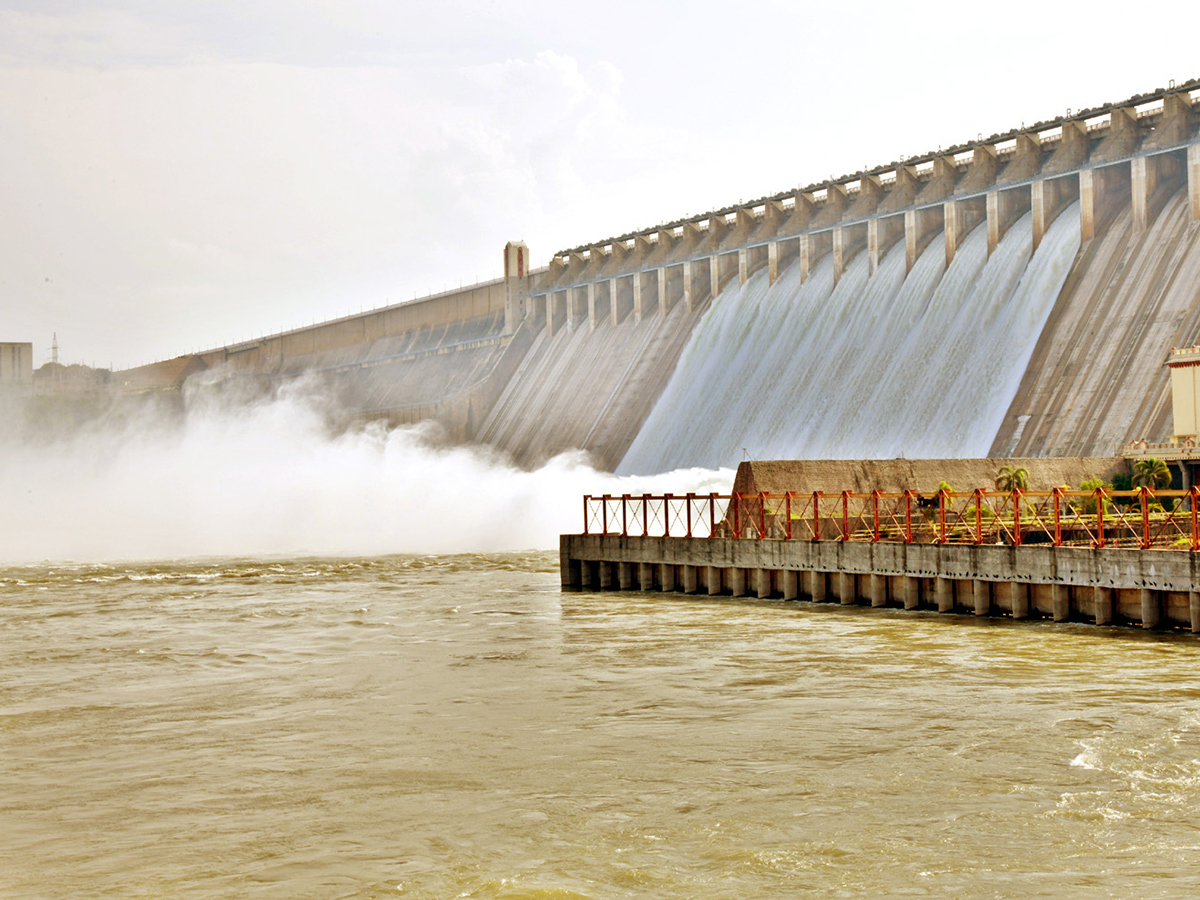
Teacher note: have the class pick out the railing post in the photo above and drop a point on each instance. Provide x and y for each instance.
(1099, 524)
(604, 513)
(1057, 492)
(1195, 494)
(737, 525)
(712, 515)
(1016, 517)
(645, 515)
(787, 511)
(942, 516)
(762, 514)
(666, 515)
(978, 517)
(875, 512)
(908, 517)
(1145, 517)
(624, 515)
(586, 499)
(816, 515)
(845, 515)
(690, 497)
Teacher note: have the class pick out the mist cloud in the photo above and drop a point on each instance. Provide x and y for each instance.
(234, 476)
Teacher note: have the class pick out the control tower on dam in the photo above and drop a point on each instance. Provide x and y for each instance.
(1012, 295)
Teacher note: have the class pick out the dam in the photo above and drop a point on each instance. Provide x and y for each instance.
(1013, 295)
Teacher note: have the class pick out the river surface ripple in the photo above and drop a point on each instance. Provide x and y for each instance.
(455, 727)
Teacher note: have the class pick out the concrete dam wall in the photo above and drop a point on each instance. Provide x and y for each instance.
(1014, 295)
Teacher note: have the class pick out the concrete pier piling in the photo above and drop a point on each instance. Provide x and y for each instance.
(945, 595)
(712, 580)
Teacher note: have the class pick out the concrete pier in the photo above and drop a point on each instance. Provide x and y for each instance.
(1153, 589)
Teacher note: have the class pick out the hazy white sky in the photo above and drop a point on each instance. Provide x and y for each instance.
(176, 176)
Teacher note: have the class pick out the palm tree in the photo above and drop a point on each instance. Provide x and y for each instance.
(1152, 473)
(1012, 478)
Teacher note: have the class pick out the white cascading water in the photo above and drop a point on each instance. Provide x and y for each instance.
(882, 365)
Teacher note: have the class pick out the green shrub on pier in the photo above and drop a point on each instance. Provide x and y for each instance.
(1092, 485)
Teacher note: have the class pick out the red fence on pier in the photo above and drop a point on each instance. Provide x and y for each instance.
(1140, 518)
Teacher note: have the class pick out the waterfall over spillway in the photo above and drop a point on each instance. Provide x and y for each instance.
(878, 366)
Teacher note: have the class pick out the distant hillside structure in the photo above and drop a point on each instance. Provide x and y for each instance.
(76, 379)
(16, 366)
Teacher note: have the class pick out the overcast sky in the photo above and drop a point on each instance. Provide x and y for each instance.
(176, 176)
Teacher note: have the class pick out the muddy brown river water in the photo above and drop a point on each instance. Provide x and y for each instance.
(436, 727)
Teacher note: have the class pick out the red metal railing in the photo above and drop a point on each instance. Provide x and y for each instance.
(1101, 518)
